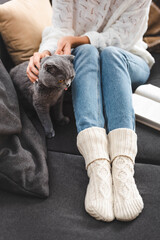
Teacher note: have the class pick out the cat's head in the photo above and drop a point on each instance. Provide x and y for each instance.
(57, 71)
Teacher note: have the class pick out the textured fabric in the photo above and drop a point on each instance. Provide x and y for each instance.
(23, 167)
(128, 203)
(112, 23)
(63, 213)
(99, 195)
(93, 144)
(122, 142)
(21, 26)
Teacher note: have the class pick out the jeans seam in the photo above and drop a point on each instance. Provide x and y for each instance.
(99, 92)
(131, 61)
(98, 89)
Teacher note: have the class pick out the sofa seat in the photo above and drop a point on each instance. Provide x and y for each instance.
(62, 216)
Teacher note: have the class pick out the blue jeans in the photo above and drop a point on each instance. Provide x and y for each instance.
(102, 88)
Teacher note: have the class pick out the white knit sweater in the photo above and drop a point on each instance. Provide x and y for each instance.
(120, 23)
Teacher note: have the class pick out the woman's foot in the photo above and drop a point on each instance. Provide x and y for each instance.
(123, 148)
(99, 195)
(128, 203)
(93, 145)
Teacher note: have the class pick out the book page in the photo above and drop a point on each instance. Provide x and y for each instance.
(146, 110)
(149, 91)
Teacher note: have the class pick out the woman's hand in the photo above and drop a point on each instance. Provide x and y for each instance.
(34, 65)
(65, 44)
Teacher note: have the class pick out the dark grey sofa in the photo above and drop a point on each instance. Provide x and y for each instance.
(62, 214)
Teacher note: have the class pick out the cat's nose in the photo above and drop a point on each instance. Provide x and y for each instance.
(68, 83)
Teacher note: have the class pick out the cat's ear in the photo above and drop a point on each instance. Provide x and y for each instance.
(70, 57)
(52, 68)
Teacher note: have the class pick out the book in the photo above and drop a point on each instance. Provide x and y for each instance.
(146, 104)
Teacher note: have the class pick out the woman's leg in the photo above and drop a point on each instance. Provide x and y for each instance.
(122, 71)
(86, 88)
(92, 140)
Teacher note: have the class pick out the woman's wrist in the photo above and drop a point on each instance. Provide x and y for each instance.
(79, 40)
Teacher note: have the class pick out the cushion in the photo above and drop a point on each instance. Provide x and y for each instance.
(21, 26)
(62, 215)
(152, 36)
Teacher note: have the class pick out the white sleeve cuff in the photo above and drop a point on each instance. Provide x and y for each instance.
(47, 47)
(96, 39)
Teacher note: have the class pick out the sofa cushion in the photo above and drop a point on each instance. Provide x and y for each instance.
(21, 26)
(62, 215)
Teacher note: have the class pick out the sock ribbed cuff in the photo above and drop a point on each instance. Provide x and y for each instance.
(93, 144)
(122, 142)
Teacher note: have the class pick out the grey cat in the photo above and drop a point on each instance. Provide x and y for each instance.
(55, 75)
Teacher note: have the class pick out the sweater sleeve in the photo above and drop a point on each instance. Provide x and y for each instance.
(126, 30)
(60, 27)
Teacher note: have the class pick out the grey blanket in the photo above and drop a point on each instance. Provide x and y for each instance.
(23, 166)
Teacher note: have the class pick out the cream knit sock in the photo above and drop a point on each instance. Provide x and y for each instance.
(99, 196)
(123, 148)
(93, 145)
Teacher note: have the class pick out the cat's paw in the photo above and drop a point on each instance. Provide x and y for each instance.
(63, 121)
(50, 134)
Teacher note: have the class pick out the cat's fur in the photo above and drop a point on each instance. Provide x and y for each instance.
(55, 75)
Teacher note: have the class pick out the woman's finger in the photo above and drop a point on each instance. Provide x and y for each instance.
(36, 59)
(67, 49)
(31, 76)
(32, 72)
(32, 67)
(59, 52)
(60, 46)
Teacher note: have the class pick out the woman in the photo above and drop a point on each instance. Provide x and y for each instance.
(110, 60)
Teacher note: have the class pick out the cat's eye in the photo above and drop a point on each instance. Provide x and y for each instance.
(60, 81)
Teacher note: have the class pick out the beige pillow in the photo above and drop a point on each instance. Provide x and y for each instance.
(21, 26)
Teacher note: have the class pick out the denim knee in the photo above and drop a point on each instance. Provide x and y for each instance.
(87, 51)
(111, 53)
